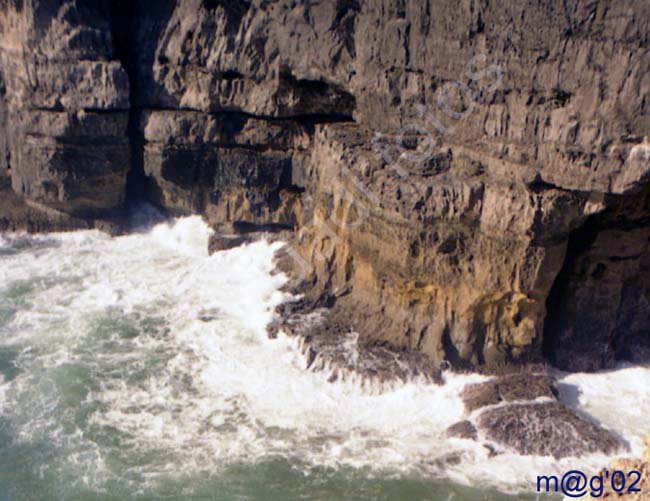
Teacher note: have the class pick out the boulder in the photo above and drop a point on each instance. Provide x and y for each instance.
(509, 388)
(546, 429)
(463, 429)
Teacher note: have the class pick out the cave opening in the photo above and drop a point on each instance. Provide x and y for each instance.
(557, 302)
(598, 308)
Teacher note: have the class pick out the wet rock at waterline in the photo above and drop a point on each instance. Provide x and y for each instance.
(522, 412)
(241, 234)
(220, 242)
(512, 387)
(463, 429)
(328, 344)
(546, 429)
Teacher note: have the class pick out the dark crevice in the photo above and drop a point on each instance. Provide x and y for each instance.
(451, 352)
(123, 28)
(231, 75)
(580, 240)
(98, 111)
(259, 148)
(248, 227)
(303, 118)
(539, 185)
(232, 7)
(329, 98)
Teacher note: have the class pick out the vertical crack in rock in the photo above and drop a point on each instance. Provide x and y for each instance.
(123, 21)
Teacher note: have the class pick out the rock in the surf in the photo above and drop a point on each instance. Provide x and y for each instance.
(546, 429)
(463, 429)
(509, 388)
(219, 242)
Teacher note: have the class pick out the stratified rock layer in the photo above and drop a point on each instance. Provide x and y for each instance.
(67, 102)
(466, 179)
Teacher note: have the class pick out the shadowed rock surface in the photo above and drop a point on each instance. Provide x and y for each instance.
(224, 242)
(474, 175)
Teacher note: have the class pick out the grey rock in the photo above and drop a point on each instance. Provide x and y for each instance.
(547, 429)
(509, 388)
(463, 429)
(220, 242)
(67, 101)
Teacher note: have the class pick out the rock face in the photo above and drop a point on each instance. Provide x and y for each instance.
(474, 175)
(66, 102)
(600, 305)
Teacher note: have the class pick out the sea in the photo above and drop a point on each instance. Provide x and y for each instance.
(139, 367)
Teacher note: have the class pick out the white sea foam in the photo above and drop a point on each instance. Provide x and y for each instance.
(170, 351)
(619, 398)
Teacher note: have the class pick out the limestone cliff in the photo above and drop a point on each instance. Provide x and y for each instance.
(468, 179)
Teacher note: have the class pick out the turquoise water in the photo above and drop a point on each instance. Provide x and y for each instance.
(139, 368)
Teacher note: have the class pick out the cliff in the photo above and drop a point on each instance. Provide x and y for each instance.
(466, 179)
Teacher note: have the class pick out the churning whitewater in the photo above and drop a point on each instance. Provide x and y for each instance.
(140, 359)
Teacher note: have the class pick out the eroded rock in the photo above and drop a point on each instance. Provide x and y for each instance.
(66, 102)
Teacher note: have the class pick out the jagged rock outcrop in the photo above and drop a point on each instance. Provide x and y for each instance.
(467, 179)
